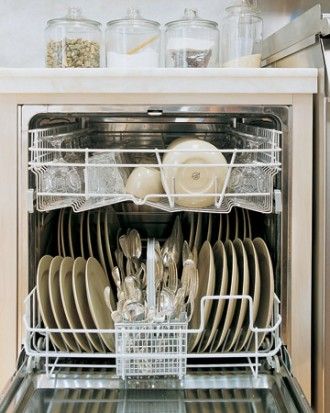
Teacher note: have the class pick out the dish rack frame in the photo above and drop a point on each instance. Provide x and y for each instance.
(263, 148)
(38, 346)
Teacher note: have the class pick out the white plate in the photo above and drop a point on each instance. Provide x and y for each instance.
(44, 300)
(221, 285)
(226, 232)
(254, 291)
(80, 298)
(71, 313)
(243, 224)
(57, 303)
(198, 235)
(266, 302)
(206, 275)
(243, 289)
(248, 224)
(99, 242)
(96, 282)
(230, 304)
(193, 179)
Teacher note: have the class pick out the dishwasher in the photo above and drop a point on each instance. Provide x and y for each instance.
(175, 296)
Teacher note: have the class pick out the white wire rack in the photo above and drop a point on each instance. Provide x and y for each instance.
(149, 349)
(100, 173)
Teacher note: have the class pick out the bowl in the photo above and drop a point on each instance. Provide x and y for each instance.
(185, 171)
(144, 181)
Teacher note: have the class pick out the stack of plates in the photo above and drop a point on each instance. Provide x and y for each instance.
(70, 296)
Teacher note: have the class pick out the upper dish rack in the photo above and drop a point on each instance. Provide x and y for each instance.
(73, 168)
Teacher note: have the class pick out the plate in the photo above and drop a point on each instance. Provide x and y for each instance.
(254, 291)
(243, 289)
(44, 300)
(82, 234)
(226, 232)
(221, 285)
(230, 304)
(107, 241)
(59, 220)
(193, 179)
(70, 230)
(243, 225)
(63, 246)
(71, 313)
(57, 303)
(266, 301)
(96, 282)
(206, 274)
(191, 229)
(89, 237)
(80, 299)
(198, 235)
(209, 228)
(99, 241)
(248, 224)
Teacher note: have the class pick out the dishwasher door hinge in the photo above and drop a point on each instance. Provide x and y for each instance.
(30, 200)
(278, 207)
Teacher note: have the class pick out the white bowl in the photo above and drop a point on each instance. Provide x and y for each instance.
(195, 178)
(144, 181)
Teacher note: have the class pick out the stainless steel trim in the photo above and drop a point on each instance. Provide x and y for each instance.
(307, 25)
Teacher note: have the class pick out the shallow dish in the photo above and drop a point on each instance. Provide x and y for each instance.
(193, 179)
(66, 288)
(57, 303)
(44, 300)
(206, 275)
(80, 299)
(96, 282)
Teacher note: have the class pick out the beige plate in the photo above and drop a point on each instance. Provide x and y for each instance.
(59, 220)
(66, 288)
(206, 274)
(243, 224)
(81, 233)
(89, 238)
(44, 300)
(192, 217)
(57, 304)
(226, 232)
(221, 284)
(198, 236)
(243, 289)
(96, 282)
(231, 304)
(209, 227)
(248, 224)
(99, 241)
(266, 302)
(107, 240)
(80, 298)
(70, 230)
(63, 234)
(254, 291)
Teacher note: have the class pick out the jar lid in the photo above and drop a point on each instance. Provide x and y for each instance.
(74, 17)
(191, 18)
(133, 17)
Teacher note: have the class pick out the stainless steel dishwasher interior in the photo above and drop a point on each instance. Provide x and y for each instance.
(239, 389)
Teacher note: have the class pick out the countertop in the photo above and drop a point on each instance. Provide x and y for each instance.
(158, 81)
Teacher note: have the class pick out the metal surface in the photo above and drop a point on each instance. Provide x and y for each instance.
(214, 392)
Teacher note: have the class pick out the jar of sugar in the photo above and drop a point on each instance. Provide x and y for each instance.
(191, 42)
(133, 41)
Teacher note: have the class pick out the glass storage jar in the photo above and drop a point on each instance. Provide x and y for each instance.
(133, 41)
(191, 42)
(241, 36)
(73, 41)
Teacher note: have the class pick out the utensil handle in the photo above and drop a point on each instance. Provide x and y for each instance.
(151, 285)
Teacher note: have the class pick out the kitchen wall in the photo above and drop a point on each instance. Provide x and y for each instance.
(22, 22)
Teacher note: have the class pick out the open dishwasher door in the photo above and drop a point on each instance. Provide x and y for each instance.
(99, 392)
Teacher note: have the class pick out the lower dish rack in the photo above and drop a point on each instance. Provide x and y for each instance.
(152, 349)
